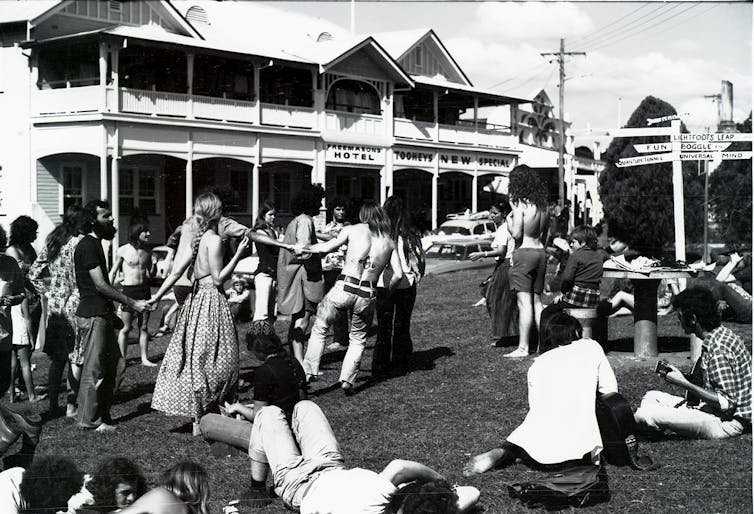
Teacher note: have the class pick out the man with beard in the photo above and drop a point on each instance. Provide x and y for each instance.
(95, 318)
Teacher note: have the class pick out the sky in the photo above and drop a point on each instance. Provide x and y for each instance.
(678, 52)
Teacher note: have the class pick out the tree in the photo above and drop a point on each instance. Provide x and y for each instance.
(638, 200)
(730, 195)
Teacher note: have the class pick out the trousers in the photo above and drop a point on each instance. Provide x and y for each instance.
(658, 411)
(296, 453)
(98, 373)
(338, 302)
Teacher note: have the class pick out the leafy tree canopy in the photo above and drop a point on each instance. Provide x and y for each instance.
(638, 200)
(730, 195)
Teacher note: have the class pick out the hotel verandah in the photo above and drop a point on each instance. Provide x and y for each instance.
(146, 105)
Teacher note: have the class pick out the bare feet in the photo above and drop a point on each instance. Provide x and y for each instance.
(71, 411)
(482, 462)
(146, 362)
(518, 352)
(104, 427)
(347, 388)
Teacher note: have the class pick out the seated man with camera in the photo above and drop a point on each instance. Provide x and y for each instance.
(718, 392)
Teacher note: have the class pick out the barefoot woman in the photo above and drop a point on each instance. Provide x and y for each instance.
(200, 368)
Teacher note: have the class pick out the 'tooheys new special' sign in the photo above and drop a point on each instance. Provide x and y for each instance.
(449, 160)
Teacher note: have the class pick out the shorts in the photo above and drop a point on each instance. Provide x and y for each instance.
(528, 269)
(181, 293)
(140, 292)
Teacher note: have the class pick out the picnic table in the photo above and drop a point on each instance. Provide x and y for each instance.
(645, 284)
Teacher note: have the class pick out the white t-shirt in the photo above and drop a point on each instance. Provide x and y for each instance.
(10, 483)
(503, 238)
(348, 491)
(561, 423)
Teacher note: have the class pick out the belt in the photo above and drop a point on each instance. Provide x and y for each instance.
(353, 280)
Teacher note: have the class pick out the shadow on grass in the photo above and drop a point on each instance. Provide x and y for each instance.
(141, 409)
(669, 344)
(134, 392)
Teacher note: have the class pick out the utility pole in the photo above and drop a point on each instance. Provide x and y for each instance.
(561, 145)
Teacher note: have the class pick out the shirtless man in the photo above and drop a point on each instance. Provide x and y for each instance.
(135, 260)
(370, 250)
(526, 223)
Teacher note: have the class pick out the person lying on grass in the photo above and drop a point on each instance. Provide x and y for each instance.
(310, 476)
(719, 403)
(561, 425)
(279, 381)
(183, 489)
(116, 483)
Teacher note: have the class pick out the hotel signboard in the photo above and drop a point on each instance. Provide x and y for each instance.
(469, 162)
(356, 154)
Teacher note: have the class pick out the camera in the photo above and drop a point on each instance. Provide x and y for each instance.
(662, 367)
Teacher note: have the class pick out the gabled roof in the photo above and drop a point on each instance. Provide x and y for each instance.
(399, 43)
(36, 11)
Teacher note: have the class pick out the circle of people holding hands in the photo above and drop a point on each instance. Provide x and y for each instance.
(340, 277)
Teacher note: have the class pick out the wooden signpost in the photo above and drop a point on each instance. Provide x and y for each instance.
(681, 147)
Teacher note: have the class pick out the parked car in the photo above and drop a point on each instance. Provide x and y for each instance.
(472, 226)
(163, 257)
(453, 255)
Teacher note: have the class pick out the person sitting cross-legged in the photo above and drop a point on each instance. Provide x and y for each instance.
(561, 425)
(310, 476)
(720, 406)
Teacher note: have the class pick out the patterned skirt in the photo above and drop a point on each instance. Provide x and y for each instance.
(200, 367)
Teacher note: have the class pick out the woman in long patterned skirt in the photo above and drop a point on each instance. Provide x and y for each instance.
(200, 368)
(501, 301)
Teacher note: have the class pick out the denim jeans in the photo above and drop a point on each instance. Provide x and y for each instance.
(338, 302)
(296, 453)
(394, 346)
(658, 410)
(98, 373)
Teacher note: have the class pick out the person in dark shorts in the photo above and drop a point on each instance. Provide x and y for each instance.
(134, 260)
(526, 223)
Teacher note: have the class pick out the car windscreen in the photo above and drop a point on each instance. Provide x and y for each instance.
(453, 229)
(446, 251)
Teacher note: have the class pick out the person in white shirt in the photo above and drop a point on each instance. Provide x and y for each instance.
(561, 425)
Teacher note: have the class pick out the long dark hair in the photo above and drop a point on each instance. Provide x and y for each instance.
(400, 223)
(264, 208)
(62, 233)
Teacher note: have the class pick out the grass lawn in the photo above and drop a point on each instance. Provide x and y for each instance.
(460, 398)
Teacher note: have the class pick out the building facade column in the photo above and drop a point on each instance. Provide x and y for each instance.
(103, 74)
(190, 83)
(435, 177)
(474, 187)
(190, 176)
(115, 198)
(103, 164)
(255, 193)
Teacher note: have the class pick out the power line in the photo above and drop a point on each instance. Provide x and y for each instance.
(540, 65)
(625, 16)
(657, 11)
(644, 29)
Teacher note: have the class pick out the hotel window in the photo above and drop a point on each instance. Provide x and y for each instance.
(73, 185)
(239, 184)
(137, 187)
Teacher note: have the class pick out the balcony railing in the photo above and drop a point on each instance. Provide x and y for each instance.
(224, 109)
(288, 116)
(352, 123)
(88, 99)
(72, 100)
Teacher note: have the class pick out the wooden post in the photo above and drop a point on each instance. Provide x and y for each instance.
(678, 209)
(190, 177)
(645, 317)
